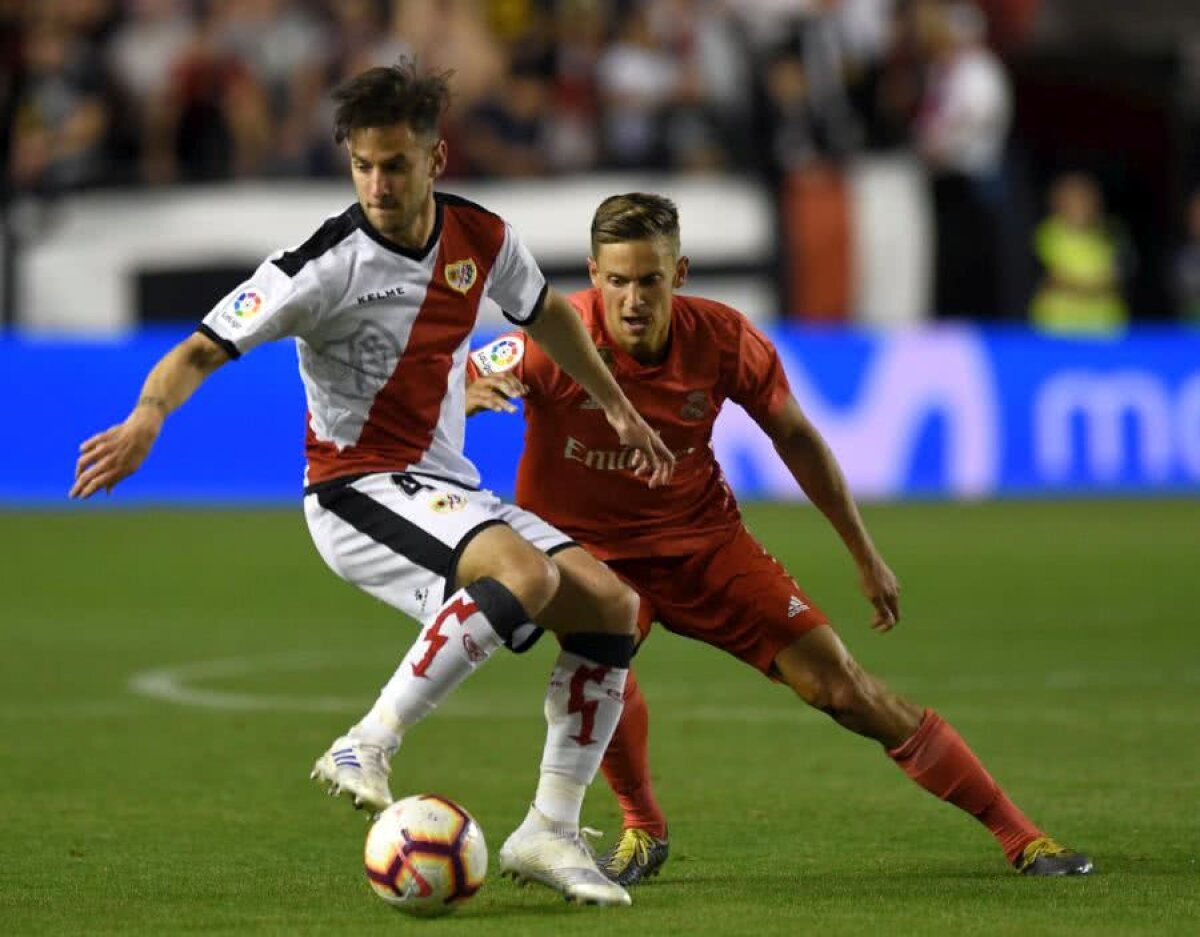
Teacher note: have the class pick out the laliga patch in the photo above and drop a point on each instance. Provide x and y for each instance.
(243, 307)
(504, 354)
(446, 501)
(461, 275)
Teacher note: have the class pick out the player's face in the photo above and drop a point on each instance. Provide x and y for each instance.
(636, 280)
(393, 169)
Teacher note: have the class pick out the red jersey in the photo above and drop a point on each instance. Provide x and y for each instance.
(574, 472)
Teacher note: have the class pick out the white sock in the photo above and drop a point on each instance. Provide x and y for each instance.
(583, 705)
(449, 650)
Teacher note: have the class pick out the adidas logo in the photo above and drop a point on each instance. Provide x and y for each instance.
(344, 758)
(795, 607)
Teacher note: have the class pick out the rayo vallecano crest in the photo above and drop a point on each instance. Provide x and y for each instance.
(461, 275)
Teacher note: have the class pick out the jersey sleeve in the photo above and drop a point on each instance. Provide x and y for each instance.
(515, 282)
(759, 385)
(267, 306)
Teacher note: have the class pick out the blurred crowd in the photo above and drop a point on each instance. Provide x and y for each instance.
(154, 92)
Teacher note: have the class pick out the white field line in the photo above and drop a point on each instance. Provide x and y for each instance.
(182, 685)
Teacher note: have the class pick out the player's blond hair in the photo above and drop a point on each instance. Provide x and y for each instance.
(635, 216)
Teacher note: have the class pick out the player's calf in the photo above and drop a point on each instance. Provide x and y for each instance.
(821, 671)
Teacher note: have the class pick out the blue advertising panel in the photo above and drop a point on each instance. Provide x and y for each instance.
(950, 412)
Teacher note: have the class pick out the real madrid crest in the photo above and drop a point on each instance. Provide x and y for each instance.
(461, 275)
(695, 407)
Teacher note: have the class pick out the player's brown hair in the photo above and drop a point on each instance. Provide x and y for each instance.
(393, 94)
(635, 216)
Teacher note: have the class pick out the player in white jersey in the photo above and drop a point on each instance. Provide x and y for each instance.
(381, 301)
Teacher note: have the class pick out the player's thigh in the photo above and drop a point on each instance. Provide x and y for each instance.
(738, 598)
(400, 537)
(590, 597)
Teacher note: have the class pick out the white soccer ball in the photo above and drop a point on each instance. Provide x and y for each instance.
(425, 855)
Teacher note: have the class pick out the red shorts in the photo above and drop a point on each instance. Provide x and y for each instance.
(733, 595)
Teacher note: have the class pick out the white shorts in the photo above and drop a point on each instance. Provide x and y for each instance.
(399, 536)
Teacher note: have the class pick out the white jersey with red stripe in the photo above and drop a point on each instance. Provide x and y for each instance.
(382, 334)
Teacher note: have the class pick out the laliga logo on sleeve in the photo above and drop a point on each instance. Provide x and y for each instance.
(504, 353)
(243, 307)
(501, 355)
(247, 304)
(461, 275)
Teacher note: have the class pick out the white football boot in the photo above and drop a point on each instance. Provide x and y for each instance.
(556, 856)
(358, 769)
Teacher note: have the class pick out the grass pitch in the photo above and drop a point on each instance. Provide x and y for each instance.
(168, 678)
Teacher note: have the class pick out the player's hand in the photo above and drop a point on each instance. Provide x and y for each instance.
(112, 456)
(880, 586)
(650, 454)
(494, 392)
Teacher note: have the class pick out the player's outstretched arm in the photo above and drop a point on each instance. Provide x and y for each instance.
(818, 474)
(115, 454)
(561, 334)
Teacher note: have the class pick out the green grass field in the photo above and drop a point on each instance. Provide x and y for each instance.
(1062, 640)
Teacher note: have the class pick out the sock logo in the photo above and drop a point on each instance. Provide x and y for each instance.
(473, 650)
(577, 701)
(462, 609)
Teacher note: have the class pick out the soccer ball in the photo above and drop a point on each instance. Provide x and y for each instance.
(425, 855)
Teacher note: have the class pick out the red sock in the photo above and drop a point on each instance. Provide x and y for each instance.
(938, 759)
(626, 764)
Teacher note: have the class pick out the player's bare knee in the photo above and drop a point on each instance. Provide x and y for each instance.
(616, 605)
(620, 607)
(532, 578)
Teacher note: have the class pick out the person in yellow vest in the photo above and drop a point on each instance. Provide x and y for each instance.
(1080, 293)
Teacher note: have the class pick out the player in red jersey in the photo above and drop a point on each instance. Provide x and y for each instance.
(685, 549)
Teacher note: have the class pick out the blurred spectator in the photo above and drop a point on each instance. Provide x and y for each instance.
(11, 78)
(141, 54)
(62, 116)
(356, 29)
(448, 35)
(961, 133)
(91, 21)
(1186, 272)
(579, 30)
(1080, 253)
(806, 111)
(886, 76)
(509, 129)
(211, 120)
(638, 81)
(286, 50)
(795, 140)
